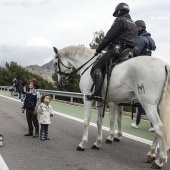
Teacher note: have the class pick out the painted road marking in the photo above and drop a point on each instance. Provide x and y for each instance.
(145, 141)
(3, 165)
(142, 140)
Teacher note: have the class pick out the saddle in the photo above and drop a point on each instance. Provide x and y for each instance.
(125, 55)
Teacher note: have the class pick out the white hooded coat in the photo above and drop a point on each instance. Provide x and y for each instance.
(44, 112)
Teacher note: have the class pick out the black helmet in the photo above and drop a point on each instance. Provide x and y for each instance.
(121, 6)
(140, 23)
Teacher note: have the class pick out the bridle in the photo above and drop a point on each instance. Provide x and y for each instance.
(66, 76)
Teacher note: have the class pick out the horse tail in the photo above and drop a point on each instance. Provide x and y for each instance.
(164, 107)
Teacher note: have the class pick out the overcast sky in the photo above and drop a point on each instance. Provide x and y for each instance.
(30, 28)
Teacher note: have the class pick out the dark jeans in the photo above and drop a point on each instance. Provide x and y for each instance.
(44, 132)
(32, 119)
(20, 94)
(139, 114)
(44, 128)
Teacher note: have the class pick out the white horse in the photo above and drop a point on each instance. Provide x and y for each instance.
(144, 78)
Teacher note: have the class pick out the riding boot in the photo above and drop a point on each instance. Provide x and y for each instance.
(98, 81)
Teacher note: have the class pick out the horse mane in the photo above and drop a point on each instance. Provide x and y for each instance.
(76, 51)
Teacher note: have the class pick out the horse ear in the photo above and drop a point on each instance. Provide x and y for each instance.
(55, 50)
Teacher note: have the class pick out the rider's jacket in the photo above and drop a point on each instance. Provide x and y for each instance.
(123, 30)
(144, 44)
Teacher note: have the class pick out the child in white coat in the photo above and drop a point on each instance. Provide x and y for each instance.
(45, 112)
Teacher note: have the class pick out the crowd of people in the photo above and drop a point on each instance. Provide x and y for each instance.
(20, 87)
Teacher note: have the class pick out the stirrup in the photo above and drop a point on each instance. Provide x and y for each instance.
(99, 98)
(93, 97)
(89, 97)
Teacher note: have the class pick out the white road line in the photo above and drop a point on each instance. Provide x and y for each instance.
(145, 141)
(10, 98)
(3, 165)
(142, 140)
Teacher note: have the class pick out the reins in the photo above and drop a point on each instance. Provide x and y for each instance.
(70, 75)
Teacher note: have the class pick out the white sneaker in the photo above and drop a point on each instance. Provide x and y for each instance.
(134, 125)
(151, 130)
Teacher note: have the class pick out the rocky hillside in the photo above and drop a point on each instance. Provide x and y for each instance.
(45, 71)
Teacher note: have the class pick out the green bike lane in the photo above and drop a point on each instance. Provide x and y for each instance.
(78, 112)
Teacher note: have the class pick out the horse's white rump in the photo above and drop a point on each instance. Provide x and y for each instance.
(145, 78)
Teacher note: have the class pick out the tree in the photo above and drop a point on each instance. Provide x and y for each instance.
(13, 70)
(97, 39)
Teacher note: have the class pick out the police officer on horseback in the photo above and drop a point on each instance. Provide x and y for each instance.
(144, 44)
(120, 37)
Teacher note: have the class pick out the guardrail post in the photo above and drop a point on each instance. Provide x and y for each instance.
(53, 96)
(71, 99)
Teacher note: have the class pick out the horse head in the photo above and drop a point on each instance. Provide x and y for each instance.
(62, 66)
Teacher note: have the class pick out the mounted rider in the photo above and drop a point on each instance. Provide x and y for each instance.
(144, 44)
(120, 37)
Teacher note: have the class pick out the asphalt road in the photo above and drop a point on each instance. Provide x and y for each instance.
(59, 153)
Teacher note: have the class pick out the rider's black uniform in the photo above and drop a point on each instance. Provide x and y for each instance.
(123, 32)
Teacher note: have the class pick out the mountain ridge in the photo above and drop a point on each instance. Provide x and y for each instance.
(45, 71)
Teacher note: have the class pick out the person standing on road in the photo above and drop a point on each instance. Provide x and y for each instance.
(31, 103)
(46, 112)
(20, 88)
(15, 86)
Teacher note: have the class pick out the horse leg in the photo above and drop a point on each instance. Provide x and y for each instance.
(87, 116)
(99, 139)
(152, 114)
(112, 114)
(153, 150)
(118, 136)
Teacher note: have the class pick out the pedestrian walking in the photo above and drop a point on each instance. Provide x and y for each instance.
(45, 112)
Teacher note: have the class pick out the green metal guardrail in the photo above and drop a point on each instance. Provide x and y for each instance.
(78, 112)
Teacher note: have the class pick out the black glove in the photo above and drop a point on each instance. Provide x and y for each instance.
(96, 53)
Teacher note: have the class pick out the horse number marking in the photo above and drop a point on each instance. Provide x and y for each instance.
(141, 88)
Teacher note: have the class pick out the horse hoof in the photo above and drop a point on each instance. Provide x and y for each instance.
(108, 141)
(116, 140)
(150, 159)
(155, 166)
(80, 148)
(95, 147)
